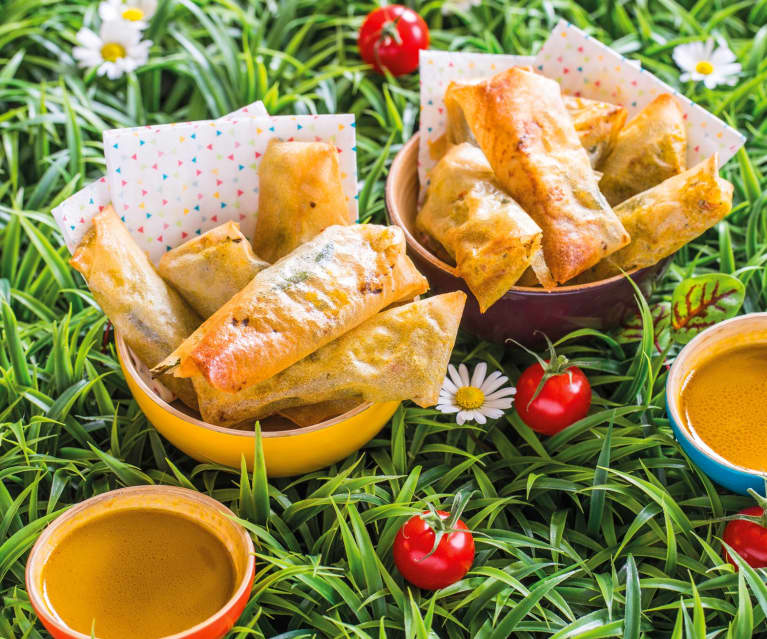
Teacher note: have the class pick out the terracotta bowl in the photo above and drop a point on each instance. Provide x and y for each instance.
(205, 511)
(521, 311)
(288, 449)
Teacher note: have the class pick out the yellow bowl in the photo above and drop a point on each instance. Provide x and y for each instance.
(294, 451)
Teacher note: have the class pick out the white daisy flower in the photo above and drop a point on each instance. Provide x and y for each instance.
(115, 50)
(700, 61)
(450, 6)
(476, 397)
(135, 12)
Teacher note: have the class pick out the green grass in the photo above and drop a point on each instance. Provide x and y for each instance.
(605, 530)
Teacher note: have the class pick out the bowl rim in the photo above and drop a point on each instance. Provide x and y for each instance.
(676, 373)
(245, 584)
(126, 357)
(396, 218)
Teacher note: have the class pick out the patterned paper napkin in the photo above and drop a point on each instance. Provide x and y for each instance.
(173, 181)
(74, 214)
(438, 69)
(584, 67)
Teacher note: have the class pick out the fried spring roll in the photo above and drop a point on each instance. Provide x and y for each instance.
(209, 269)
(149, 315)
(529, 279)
(668, 216)
(651, 148)
(300, 195)
(321, 290)
(490, 237)
(311, 414)
(597, 125)
(521, 124)
(401, 353)
(540, 271)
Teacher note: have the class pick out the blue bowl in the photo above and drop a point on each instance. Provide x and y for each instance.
(739, 331)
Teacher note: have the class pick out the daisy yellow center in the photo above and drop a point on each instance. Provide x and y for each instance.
(469, 397)
(704, 67)
(112, 51)
(133, 14)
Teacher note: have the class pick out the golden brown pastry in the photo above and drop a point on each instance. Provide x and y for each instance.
(300, 195)
(668, 216)
(210, 268)
(539, 272)
(149, 315)
(401, 353)
(311, 414)
(597, 125)
(651, 148)
(318, 292)
(521, 124)
(490, 237)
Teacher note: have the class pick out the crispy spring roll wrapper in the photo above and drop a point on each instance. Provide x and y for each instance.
(651, 148)
(667, 217)
(530, 279)
(300, 195)
(484, 230)
(318, 292)
(209, 269)
(311, 414)
(401, 353)
(538, 274)
(149, 315)
(597, 125)
(524, 129)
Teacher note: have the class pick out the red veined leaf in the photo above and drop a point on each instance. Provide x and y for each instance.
(630, 329)
(700, 302)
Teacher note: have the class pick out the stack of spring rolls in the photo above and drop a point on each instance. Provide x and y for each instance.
(325, 322)
(540, 188)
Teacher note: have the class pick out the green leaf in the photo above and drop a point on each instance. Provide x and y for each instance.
(14, 345)
(700, 302)
(597, 505)
(632, 617)
(537, 592)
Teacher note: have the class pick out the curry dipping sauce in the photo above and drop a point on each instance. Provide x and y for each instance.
(724, 401)
(138, 573)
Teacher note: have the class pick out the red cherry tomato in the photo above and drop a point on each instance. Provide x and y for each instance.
(448, 564)
(564, 399)
(391, 36)
(748, 539)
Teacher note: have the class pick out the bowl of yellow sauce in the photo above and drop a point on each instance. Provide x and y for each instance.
(716, 399)
(156, 562)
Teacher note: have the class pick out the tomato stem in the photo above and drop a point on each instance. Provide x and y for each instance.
(442, 526)
(389, 29)
(556, 365)
(762, 503)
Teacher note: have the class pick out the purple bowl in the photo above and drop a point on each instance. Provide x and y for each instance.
(522, 310)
